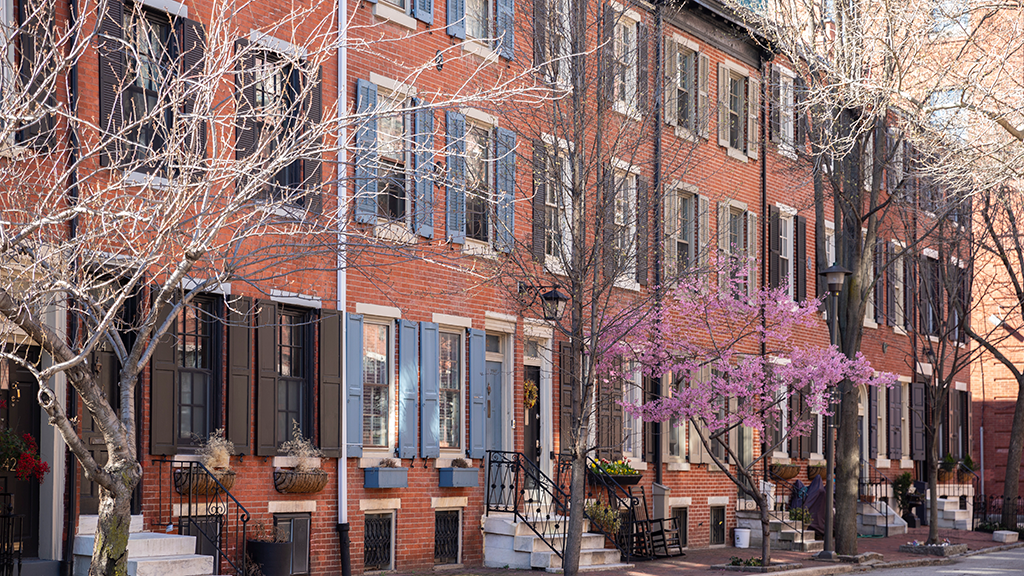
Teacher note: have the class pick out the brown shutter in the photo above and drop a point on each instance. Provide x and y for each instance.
(774, 105)
(917, 406)
(565, 405)
(872, 422)
(895, 421)
(774, 247)
(794, 417)
(312, 168)
(266, 374)
(330, 397)
(540, 183)
(239, 396)
(879, 288)
(245, 94)
(613, 410)
(642, 208)
(606, 207)
(193, 62)
(163, 394)
(607, 83)
(111, 62)
(642, 82)
(805, 414)
(651, 392)
(540, 25)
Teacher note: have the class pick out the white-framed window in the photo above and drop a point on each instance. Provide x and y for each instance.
(686, 87)
(947, 112)
(738, 103)
(881, 399)
(787, 252)
(554, 60)
(479, 181)
(737, 245)
(783, 114)
(950, 18)
(624, 241)
(830, 243)
(393, 133)
(676, 446)
(895, 171)
(681, 230)
(929, 293)
(557, 206)
(378, 420)
(632, 425)
(869, 299)
(450, 385)
(867, 162)
(626, 61)
(479, 20)
(897, 274)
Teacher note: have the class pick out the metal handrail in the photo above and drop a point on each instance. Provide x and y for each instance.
(781, 496)
(875, 486)
(216, 505)
(11, 528)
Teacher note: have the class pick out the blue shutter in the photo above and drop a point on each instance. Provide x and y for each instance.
(423, 10)
(506, 28)
(455, 146)
(457, 18)
(430, 412)
(408, 378)
(477, 397)
(366, 154)
(506, 185)
(423, 217)
(354, 383)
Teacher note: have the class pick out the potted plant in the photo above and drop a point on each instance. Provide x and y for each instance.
(800, 515)
(269, 550)
(815, 470)
(458, 475)
(784, 471)
(965, 475)
(306, 477)
(947, 469)
(386, 474)
(605, 518)
(215, 455)
(22, 453)
(620, 471)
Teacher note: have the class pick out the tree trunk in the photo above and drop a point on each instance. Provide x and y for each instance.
(847, 457)
(574, 531)
(1012, 484)
(110, 552)
(933, 486)
(766, 533)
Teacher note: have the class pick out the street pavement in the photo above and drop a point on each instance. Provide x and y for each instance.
(1003, 563)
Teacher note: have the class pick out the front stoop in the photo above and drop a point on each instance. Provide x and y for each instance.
(951, 517)
(150, 554)
(878, 519)
(511, 544)
(785, 534)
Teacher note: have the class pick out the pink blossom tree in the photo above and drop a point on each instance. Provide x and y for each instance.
(758, 349)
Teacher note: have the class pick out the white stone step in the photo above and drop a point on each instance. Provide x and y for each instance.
(87, 523)
(535, 543)
(592, 557)
(143, 544)
(948, 504)
(185, 565)
(506, 524)
(955, 514)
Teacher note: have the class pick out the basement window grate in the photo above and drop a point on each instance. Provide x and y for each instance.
(377, 542)
(447, 526)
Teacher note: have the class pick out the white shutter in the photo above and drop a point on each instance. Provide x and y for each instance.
(671, 229)
(723, 105)
(723, 245)
(702, 115)
(703, 250)
(753, 109)
(671, 72)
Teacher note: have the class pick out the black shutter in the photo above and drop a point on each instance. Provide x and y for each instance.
(642, 208)
(607, 217)
(163, 394)
(801, 128)
(879, 281)
(793, 441)
(193, 61)
(239, 396)
(890, 285)
(643, 88)
(917, 407)
(540, 28)
(651, 393)
(800, 235)
(909, 289)
(266, 374)
(613, 430)
(774, 247)
(805, 442)
(895, 422)
(566, 373)
(540, 183)
(774, 105)
(36, 64)
(872, 422)
(111, 61)
(245, 94)
(330, 397)
(606, 83)
(312, 169)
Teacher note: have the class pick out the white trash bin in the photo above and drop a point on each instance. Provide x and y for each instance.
(743, 537)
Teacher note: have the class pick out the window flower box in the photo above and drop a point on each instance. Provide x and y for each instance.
(458, 477)
(386, 477)
(296, 482)
(620, 479)
(784, 471)
(199, 483)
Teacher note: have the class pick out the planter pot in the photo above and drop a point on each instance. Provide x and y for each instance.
(815, 471)
(272, 558)
(294, 482)
(386, 478)
(620, 479)
(198, 483)
(965, 477)
(946, 476)
(784, 471)
(458, 477)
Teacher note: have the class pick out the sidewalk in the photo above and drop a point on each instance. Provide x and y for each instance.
(699, 562)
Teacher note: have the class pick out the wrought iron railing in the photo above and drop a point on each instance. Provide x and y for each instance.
(989, 509)
(633, 537)
(206, 509)
(782, 494)
(874, 489)
(11, 532)
(516, 485)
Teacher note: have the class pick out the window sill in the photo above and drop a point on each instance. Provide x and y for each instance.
(684, 133)
(553, 265)
(445, 461)
(678, 466)
(898, 330)
(372, 460)
(144, 180)
(736, 154)
(383, 10)
(882, 463)
(627, 284)
(480, 49)
(817, 460)
(291, 462)
(904, 463)
(781, 458)
(626, 110)
(870, 323)
(787, 150)
(394, 232)
(477, 248)
(15, 152)
(282, 210)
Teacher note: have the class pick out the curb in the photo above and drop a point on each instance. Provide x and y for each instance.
(992, 549)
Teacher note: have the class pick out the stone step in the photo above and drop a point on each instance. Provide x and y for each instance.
(87, 523)
(535, 543)
(875, 519)
(588, 557)
(954, 524)
(794, 536)
(806, 546)
(143, 544)
(508, 525)
(955, 514)
(948, 504)
(185, 565)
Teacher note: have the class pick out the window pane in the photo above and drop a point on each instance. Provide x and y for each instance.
(478, 183)
(477, 19)
(376, 382)
(450, 390)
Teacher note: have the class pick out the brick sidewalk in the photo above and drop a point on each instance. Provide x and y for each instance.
(699, 562)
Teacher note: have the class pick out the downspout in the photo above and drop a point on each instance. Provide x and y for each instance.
(72, 402)
(342, 277)
(659, 98)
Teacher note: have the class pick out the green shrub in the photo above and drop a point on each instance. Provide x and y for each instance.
(800, 515)
(605, 517)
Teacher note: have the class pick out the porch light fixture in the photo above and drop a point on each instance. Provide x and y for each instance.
(552, 303)
(835, 275)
